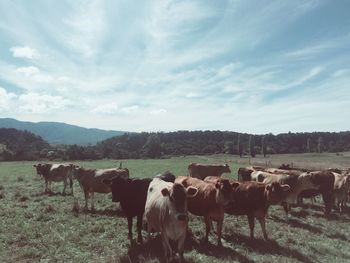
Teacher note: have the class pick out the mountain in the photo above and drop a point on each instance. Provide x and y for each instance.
(60, 133)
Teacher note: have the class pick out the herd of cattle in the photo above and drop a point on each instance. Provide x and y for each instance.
(165, 199)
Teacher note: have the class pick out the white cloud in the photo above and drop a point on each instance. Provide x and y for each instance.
(6, 99)
(158, 111)
(42, 104)
(192, 95)
(110, 108)
(130, 109)
(28, 71)
(24, 52)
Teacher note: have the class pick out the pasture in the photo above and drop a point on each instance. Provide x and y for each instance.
(37, 227)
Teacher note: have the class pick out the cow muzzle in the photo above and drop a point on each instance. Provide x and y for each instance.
(182, 217)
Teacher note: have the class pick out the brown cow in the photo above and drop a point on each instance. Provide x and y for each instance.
(201, 171)
(166, 212)
(91, 181)
(56, 173)
(253, 199)
(208, 202)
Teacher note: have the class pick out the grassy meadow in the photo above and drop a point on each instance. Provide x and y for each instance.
(36, 227)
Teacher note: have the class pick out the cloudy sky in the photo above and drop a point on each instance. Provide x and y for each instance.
(248, 66)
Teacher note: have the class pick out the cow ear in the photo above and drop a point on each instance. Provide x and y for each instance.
(285, 187)
(165, 192)
(234, 184)
(191, 191)
(107, 181)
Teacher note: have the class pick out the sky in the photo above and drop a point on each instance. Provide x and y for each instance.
(248, 66)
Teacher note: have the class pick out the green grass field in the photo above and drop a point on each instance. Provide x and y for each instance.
(36, 227)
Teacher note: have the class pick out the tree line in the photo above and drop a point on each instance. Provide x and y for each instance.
(22, 145)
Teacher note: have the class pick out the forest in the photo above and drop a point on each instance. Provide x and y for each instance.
(23, 145)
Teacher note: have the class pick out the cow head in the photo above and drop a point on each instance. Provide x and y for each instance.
(118, 187)
(177, 196)
(275, 192)
(226, 168)
(224, 191)
(42, 168)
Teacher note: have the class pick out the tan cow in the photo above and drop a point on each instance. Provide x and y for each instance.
(56, 173)
(209, 202)
(201, 171)
(253, 200)
(341, 189)
(91, 181)
(166, 212)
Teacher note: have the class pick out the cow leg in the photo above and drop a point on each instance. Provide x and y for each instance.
(286, 209)
(181, 245)
(71, 184)
(64, 186)
(251, 225)
(207, 228)
(219, 230)
(130, 228)
(166, 246)
(46, 186)
(92, 201)
(86, 194)
(262, 221)
(139, 228)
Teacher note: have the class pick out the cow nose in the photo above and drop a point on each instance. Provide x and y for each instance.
(182, 217)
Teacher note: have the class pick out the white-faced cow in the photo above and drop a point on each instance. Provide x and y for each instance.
(200, 171)
(55, 173)
(90, 181)
(166, 212)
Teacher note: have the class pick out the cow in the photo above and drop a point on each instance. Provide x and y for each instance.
(209, 201)
(131, 193)
(297, 184)
(324, 182)
(166, 212)
(90, 181)
(341, 189)
(200, 171)
(56, 173)
(253, 200)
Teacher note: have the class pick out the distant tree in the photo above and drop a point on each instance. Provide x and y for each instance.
(239, 146)
(152, 146)
(263, 145)
(251, 146)
(229, 147)
(320, 144)
(308, 145)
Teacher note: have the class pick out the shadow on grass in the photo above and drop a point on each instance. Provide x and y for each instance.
(105, 212)
(296, 223)
(212, 250)
(50, 193)
(267, 247)
(153, 249)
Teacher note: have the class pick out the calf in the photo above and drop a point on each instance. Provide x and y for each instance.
(209, 201)
(90, 181)
(201, 171)
(253, 200)
(132, 195)
(166, 212)
(55, 173)
(341, 189)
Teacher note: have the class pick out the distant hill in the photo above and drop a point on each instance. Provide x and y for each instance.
(20, 145)
(60, 133)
